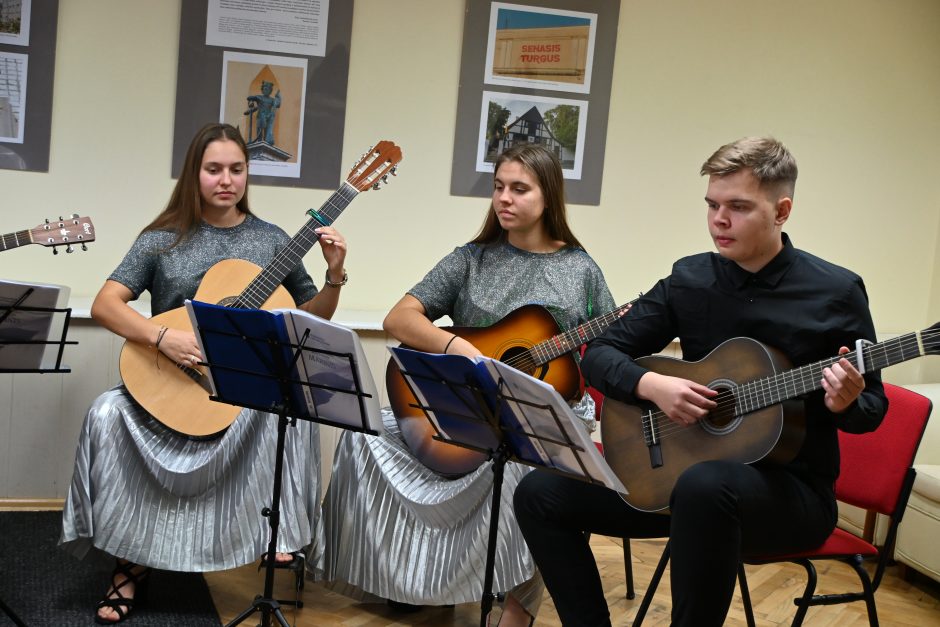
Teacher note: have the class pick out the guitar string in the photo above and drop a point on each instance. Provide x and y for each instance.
(723, 398)
(766, 389)
(12, 240)
(727, 409)
(571, 341)
(261, 288)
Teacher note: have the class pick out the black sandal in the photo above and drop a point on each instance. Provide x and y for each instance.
(140, 579)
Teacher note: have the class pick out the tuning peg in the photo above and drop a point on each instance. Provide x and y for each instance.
(69, 249)
(55, 250)
(84, 246)
(376, 186)
(394, 170)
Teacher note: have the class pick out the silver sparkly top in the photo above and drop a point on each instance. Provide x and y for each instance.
(479, 285)
(173, 275)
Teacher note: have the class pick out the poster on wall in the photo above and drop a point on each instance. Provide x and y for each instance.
(14, 22)
(12, 96)
(290, 106)
(286, 27)
(263, 96)
(540, 48)
(529, 74)
(556, 123)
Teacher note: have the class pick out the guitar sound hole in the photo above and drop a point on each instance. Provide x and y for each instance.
(722, 419)
(518, 357)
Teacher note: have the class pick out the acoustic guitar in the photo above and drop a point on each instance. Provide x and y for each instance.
(527, 339)
(758, 416)
(178, 396)
(64, 232)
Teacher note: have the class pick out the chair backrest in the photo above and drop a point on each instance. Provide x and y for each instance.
(874, 465)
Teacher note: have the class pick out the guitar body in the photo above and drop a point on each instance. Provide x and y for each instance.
(507, 340)
(177, 397)
(774, 432)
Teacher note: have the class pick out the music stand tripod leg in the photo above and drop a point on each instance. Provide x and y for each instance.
(266, 603)
(499, 463)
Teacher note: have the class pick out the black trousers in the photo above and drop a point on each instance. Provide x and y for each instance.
(719, 512)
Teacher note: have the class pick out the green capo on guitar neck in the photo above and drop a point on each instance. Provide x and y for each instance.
(316, 215)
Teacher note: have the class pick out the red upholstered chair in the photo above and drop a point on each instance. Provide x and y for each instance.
(876, 474)
(627, 557)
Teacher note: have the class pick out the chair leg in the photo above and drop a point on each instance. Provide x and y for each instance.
(628, 568)
(651, 589)
(745, 596)
(803, 603)
(867, 590)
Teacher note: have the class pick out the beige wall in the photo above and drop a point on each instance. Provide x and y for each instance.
(852, 86)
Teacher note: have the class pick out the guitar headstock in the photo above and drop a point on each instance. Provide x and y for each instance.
(64, 232)
(374, 167)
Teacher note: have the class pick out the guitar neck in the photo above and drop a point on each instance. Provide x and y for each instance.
(289, 257)
(760, 393)
(572, 339)
(16, 239)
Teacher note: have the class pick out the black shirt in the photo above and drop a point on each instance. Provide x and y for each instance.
(799, 304)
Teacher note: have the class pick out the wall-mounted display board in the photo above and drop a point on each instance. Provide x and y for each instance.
(535, 71)
(276, 70)
(27, 71)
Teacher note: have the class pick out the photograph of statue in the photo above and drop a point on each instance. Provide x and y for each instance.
(263, 96)
(262, 109)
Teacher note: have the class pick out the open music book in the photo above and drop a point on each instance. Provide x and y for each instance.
(22, 330)
(330, 381)
(540, 427)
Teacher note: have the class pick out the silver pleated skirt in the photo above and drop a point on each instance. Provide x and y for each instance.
(142, 493)
(396, 530)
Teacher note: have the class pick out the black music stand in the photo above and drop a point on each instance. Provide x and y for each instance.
(7, 315)
(257, 360)
(506, 414)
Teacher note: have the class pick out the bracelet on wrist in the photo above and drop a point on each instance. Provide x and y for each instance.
(449, 342)
(329, 283)
(160, 335)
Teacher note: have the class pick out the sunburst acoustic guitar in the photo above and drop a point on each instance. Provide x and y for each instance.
(178, 396)
(528, 339)
(62, 232)
(757, 415)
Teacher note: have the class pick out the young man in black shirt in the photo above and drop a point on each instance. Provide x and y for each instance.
(757, 285)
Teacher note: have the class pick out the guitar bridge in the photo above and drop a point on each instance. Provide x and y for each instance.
(652, 440)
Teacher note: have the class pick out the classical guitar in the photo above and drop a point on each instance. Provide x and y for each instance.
(178, 396)
(63, 232)
(527, 339)
(758, 416)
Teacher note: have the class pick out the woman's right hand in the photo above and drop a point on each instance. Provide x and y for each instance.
(180, 347)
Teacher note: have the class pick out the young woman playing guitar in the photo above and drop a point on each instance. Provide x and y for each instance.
(431, 544)
(143, 493)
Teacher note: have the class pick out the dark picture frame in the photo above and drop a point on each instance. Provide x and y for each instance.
(466, 177)
(199, 85)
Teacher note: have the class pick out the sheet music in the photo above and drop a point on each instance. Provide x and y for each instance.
(535, 419)
(539, 419)
(444, 387)
(246, 349)
(31, 326)
(323, 369)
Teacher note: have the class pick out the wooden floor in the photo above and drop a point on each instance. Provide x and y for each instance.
(900, 603)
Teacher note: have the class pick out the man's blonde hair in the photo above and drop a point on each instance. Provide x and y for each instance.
(769, 160)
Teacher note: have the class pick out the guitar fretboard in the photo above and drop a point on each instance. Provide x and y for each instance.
(572, 339)
(760, 393)
(288, 258)
(14, 240)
